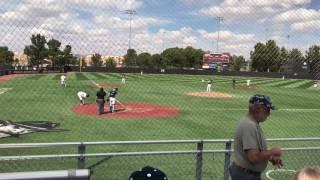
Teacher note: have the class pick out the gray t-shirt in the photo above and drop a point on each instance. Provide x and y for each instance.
(249, 135)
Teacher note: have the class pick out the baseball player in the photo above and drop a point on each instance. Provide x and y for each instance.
(63, 80)
(82, 95)
(209, 84)
(248, 82)
(123, 80)
(112, 99)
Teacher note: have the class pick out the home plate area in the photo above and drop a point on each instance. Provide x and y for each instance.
(128, 110)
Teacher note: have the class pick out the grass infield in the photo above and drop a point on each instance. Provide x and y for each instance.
(40, 97)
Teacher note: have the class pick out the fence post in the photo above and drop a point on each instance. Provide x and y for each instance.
(199, 160)
(227, 159)
(81, 159)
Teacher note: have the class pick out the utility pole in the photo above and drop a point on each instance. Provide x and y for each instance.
(219, 20)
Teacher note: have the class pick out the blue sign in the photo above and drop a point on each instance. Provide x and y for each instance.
(213, 66)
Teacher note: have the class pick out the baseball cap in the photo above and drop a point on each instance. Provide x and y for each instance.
(263, 100)
(148, 173)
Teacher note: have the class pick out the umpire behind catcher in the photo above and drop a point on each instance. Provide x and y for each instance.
(101, 94)
(251, 155)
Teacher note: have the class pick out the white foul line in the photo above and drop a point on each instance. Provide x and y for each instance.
(286, 109)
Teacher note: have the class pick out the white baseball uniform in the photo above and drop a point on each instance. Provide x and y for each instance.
(82, 95)
(209, 85)
(63, 79)
(248, 82)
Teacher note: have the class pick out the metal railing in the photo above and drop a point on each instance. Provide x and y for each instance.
(199, 152)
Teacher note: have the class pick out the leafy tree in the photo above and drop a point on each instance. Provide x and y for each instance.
(16, 62)
(174, 57)
(193, 57)
(156, 61)
(144, 60)
(313, 57)
(266, 57)
(54, 51)
(6, 56)
(258, 57)
(130, 59)
(295, 61)
(237, 62)
(110, 63)
(37, 51)
(272, 54)
(96, 60)
(296, 55)
(284, 55)
(67, 57)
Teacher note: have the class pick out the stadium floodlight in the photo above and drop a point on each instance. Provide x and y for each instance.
(219, 20)
(130, 12)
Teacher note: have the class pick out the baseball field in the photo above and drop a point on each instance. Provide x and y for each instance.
(193, 114)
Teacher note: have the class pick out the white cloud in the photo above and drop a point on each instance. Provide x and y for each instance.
(297, 15)
(107, 33)
(251, 9)
(234, 43)
(299, 20)
(156, 42)
(238, 49)
(110, 4)
(228, 36)
(137, 23)
(308, 26)
(193, 3)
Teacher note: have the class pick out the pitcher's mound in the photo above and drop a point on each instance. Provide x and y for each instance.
(211, 94)
(128, 111)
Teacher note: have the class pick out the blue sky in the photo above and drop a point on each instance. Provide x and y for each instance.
(103, 27)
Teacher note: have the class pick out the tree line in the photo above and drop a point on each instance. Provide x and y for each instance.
(171, 57)
(265, 57)
(269, 57)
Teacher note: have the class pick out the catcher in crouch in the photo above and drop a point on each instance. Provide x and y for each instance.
(112, 99)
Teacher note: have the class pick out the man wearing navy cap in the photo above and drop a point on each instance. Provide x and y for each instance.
(251, 154)
(148, 173)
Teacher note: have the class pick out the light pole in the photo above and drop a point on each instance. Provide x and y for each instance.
(130, 12)
(163, 37)
(266, 34)
(219, 20)
(288, 38)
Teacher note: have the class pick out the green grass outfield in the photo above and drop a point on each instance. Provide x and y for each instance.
(40, 97)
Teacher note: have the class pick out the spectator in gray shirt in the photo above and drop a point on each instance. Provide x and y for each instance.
(251, 154)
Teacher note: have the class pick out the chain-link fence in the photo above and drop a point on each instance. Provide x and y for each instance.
(184, 159)
(161, 57)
